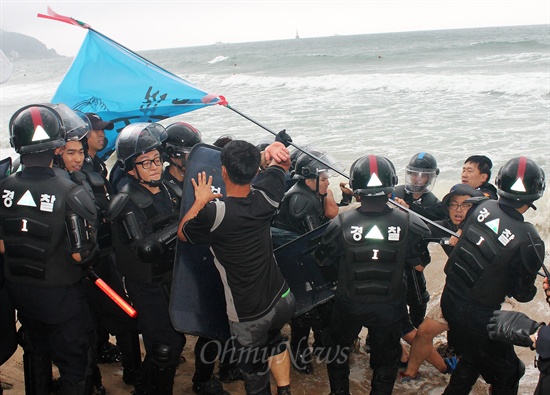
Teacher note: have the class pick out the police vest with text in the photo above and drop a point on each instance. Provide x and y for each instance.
(375, 250)
(490, 240)
(32, 217)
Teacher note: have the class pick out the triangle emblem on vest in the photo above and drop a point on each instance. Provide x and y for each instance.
(26, 200)
(40, 134)
(374, 233)
(518, 186)
(374, 181)
(493, 225)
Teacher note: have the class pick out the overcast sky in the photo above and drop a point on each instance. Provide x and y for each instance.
(141, 25)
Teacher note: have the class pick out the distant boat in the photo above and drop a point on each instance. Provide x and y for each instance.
(297, 35)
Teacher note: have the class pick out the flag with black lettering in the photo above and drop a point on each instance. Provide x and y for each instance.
(122, 87)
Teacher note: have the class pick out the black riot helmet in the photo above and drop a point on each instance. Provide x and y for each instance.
(372, 175)
(136, 139)
(181, 137)
(521, 180)
(36, 128)
(308, 167)
(77, 125)
(421, 173)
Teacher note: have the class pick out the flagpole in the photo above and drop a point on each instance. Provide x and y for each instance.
(291, 143)
(72, 21)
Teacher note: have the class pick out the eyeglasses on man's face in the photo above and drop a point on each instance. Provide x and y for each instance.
(463, 206)
(147, 163)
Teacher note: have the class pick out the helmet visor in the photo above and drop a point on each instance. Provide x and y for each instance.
(419, 180)
(330, 166)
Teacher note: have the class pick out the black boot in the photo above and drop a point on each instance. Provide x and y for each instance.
(210, 387)
(129, 346)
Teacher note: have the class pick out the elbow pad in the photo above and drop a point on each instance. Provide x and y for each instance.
(130, 227)
(79, 233)
(157, 243)
(81, 239)
(149, 249)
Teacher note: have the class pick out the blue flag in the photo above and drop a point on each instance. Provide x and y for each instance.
(124, 88)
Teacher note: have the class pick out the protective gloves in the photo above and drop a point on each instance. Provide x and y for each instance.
(283, 137)
(512, 327)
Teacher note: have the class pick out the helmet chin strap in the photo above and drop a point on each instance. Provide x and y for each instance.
(317, 187)
(152, 183)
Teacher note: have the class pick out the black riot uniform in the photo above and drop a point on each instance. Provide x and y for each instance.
(144, 235)
(420, 177)
(110, 319)
(301, 211)
(370, 246)
(47, 223)
(495, 257)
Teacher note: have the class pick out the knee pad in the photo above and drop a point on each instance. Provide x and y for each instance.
(163, 356)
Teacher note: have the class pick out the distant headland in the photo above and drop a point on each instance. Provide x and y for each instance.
(17, 46)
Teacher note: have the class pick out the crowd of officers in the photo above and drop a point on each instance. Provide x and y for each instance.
(63, 221)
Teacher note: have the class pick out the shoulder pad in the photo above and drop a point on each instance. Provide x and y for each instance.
(299, 205)
(95, 179)
(138, 195)
(532, 254)
(476, 199)
(429, 199)
(117, 203)
(78, 177)
(418, 226)
(400, 191)
(176, 189)
(61, 172)
(81, 203)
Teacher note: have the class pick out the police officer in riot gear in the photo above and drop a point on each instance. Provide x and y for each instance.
(306, 206)
(495, 256)
(370, 246)
(144, 215)
(310, 202)
(109, 317)
(47, 226)
(420, 176)
(181, 138)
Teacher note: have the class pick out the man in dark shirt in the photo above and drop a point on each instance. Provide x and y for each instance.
(238, 230)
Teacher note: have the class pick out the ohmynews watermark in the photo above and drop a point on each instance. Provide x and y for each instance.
(262, 357)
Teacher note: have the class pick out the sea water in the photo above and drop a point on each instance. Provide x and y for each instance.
(452, 93)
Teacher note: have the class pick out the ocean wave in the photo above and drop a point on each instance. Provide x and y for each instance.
(523, 84)
(520, 44)
(218, 59)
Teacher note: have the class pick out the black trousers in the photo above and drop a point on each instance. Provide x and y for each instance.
(344, 328)
(151, 302)
(58, 324)
(495, 361)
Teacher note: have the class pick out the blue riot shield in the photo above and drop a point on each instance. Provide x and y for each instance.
(197, 302)
(311, 284)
